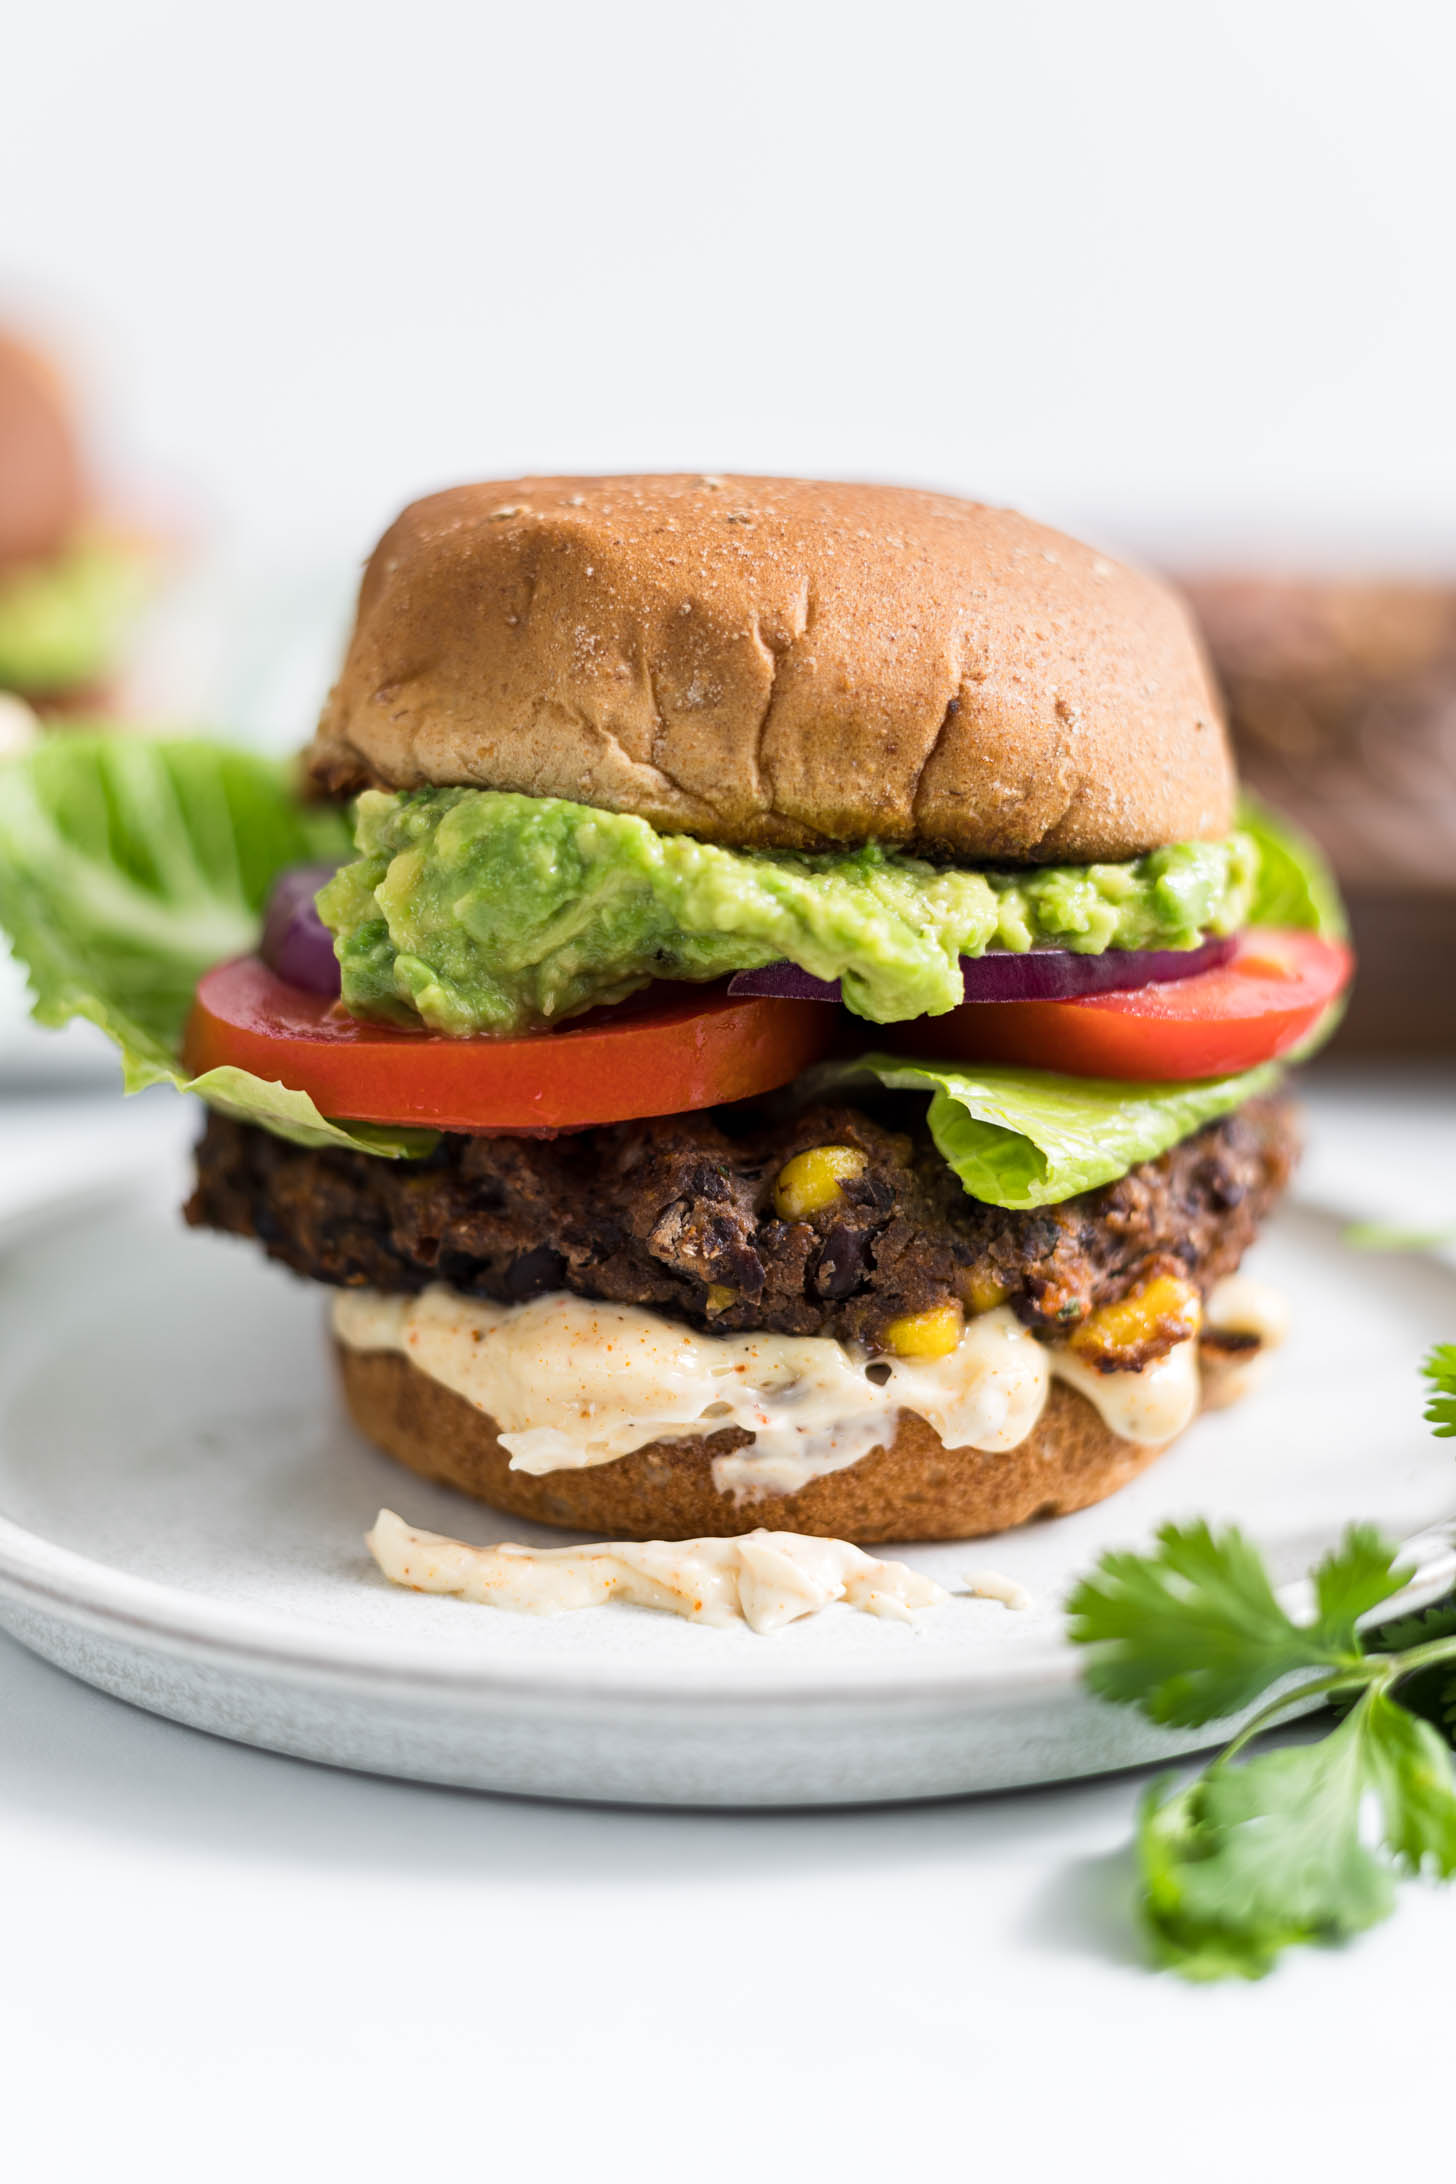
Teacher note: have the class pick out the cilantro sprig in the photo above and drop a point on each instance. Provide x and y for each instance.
(1300, 1843)
(1440, 1370)
(1395, 1236)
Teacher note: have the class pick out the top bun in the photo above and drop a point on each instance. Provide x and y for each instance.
(42, 489)
(776, 662)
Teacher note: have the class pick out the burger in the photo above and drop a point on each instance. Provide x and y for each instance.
(768, 1012)
(68, 583)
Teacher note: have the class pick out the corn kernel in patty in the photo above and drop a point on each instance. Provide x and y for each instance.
(982, 1292)
(1164, 1311)
(926, 1334)
(810, 1181)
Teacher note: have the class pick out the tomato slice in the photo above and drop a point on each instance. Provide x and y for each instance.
(1256, 1006)
(675, 1048)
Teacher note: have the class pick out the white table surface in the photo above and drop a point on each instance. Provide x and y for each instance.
(217, 1963)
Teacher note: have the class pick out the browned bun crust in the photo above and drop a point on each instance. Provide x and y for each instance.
(915, 1489)
(42, 486)
(777, 662)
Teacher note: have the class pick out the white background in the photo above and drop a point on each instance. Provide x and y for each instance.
(1179, 274)
(1172, 271)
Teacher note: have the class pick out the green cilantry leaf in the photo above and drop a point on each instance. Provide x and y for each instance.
(1247, 1860)
(128, 866)
(1029, 1137)
(1409, 1769)
(1195, 1633)
(1393, 1236)
(1298, 1844)
(1429, 1692)
(1440, 1369)
(1352, 1581)
(1405, 1632)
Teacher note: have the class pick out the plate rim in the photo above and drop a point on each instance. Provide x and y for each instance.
(83, 1590)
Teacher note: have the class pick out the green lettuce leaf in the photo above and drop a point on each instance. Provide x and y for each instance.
(1028, 1137)
(1294, 884)
(127, 867)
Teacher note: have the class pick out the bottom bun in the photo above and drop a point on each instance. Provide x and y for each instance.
(915, 1489)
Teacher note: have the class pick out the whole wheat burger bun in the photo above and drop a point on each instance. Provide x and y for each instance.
(777, 662)
(914, 1489)
(42, 482)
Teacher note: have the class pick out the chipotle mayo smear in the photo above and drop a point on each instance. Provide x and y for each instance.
(764, 1579)
(572, 1383)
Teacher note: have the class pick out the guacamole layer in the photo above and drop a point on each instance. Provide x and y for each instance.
(472, 911)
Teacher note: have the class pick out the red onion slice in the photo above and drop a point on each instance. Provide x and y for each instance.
(785, 982)
(1043, 974)
(296, 942)
(1057, 974)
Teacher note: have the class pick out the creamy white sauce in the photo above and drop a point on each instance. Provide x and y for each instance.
(572, 1383)
(991, 1585)
(1147, 1407)
(1241, 1306)
(764, 1579)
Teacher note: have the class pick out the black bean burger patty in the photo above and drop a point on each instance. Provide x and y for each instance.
(679, 1214)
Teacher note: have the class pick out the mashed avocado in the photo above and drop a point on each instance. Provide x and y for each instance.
(61, 620)
(473, 911)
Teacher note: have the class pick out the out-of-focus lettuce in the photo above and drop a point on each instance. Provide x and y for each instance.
(62, 620)
(127, 868)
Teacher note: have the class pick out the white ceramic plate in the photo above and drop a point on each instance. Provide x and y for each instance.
(182, 1512)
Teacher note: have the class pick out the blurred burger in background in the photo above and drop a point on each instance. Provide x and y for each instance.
(1342, 701)
(71, 580)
